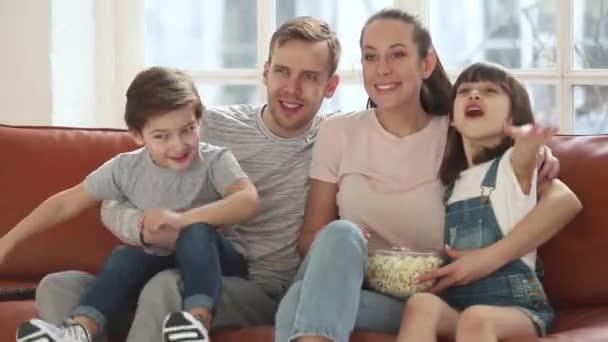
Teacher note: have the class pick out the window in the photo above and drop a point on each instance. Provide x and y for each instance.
(227, 59)
(559, 49)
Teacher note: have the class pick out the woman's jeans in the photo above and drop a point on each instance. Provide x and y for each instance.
(201, 254)
(326, 298)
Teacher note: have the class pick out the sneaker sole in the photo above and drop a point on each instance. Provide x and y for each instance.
(29, 332)
(176, 329)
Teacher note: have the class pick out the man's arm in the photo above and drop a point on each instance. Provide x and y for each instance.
(126, 222)
(123, 220)
(321, 209)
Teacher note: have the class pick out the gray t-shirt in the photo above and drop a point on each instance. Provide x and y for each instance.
(132, 176)
(279, 168)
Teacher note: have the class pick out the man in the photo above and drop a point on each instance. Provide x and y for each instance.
(273, 144)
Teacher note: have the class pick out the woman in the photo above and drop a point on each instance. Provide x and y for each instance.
(377, 170)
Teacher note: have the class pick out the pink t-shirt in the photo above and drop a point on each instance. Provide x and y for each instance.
(389, 185)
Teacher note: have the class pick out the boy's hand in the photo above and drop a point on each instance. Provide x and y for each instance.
(6, 247)
(157, 219)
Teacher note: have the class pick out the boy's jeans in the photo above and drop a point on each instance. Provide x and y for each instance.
(326, 298)
(202, 256)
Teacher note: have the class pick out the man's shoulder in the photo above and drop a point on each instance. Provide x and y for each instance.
(231, 113)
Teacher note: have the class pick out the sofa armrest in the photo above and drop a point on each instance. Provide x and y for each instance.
(14, 294)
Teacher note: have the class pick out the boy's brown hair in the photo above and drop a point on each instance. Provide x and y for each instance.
(308, 29)
(157, 90)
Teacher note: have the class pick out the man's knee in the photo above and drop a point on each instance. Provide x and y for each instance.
(166, 284)
(58, 294)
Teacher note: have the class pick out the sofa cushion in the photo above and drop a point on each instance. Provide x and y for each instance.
(43, 161)
(574, 259)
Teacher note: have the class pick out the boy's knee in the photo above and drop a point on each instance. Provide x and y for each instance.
(196, 233)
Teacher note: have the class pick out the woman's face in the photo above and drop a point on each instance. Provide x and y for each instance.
(392, 68)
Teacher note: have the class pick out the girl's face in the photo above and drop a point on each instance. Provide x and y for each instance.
(392, 69)
(481, 110)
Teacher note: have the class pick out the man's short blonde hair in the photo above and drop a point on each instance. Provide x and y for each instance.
(308, 29)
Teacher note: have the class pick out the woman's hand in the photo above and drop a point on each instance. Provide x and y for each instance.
(466, 266)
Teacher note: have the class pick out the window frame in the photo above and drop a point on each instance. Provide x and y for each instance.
(130, 56)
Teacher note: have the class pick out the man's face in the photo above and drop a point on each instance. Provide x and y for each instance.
(297, 80)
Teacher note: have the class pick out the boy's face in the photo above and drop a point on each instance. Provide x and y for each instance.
(172, 138)
(297, 79)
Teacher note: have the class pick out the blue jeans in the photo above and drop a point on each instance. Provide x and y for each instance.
(326, 298)
(201, 255)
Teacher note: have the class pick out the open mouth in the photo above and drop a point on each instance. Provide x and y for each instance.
(473, 111)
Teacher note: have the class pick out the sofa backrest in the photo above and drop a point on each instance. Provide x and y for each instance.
(36, 163)
(575, 273)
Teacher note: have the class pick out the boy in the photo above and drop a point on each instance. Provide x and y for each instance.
(178, 181)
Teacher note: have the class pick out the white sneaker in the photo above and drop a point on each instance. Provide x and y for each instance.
(36, 330)
(184, 327)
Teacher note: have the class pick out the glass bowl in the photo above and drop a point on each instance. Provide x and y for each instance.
(394, 272)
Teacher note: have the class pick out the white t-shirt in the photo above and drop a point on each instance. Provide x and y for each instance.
(509, 202)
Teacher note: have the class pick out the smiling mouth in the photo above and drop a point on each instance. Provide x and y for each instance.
(181, 158)
(290, 106)
(386, 86)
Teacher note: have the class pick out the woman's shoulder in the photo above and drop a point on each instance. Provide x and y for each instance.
(441, 122)
(347, 120)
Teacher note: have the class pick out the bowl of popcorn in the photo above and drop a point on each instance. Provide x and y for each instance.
(394, 272)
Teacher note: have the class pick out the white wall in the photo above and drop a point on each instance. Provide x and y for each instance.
(73, 62)
(25, 62)
(68, 62)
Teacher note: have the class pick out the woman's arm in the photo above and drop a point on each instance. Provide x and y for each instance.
(321, 209)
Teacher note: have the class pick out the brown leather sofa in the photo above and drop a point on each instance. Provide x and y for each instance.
(39, 161)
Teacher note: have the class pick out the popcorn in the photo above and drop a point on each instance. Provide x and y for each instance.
(394, 273)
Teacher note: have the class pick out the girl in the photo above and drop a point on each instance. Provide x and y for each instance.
(489, 169)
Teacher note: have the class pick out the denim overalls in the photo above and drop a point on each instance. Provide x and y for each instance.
(471, 224)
